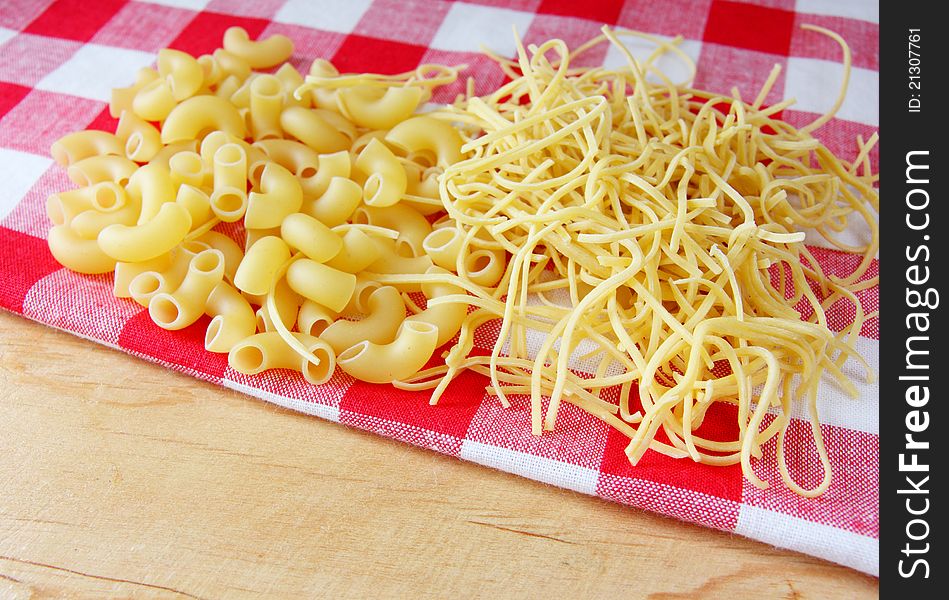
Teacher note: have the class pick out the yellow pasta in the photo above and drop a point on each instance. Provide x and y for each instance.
(378, 108)
(142, 139)
(386, 179)
(258, 54)
(428, 134)
(121, 98)
(313, 318)
(311, 237)
(182, 307)
(182, 72)
(265, 351)
(385, 313)
(229, 198)
(337, 202)
(447, 317)
(151, 186)
(95, 169)
(232, 318)
(280, 196)
(384, 363)
(78, 254)
(201, 114)
(266, 104)
(148, 240)
(411, 225)
(311, 128)
(357, 252)
(321, 283)
(258, 271)
(154, 101)
(74, 147)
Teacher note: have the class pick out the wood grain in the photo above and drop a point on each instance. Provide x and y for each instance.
(120, 478)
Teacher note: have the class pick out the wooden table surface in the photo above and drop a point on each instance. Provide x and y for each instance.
(119, 478)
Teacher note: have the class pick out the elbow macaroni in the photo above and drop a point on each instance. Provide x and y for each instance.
(306, 174)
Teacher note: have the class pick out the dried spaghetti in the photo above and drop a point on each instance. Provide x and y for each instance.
(663, 225)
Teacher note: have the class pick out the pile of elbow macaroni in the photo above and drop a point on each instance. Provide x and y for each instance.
(331, 187)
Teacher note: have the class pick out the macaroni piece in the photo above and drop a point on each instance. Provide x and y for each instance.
(311, 237)
(147, 240)
(151, 186)
(337, 203)
(142, 139)
(201, 113)
(76, 146)
(411, 225)
(280, 196)
(257, 272)
(377, 108)
(266, 104)
(154, 101)
(232, 319)
(265, 351)
(321, 283)
(95, 169)
(182, 72)
(386, 181)
(313, 318)
(413, 346)
(426, 133)
(311, 128)
(187, 303)
(386, 311)
(122, 98)
(77, 254)
(259, 54)
(358, 252)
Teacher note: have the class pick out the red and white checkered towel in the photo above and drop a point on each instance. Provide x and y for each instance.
(59, 59)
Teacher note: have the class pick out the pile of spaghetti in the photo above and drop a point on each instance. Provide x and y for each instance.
(660, 230)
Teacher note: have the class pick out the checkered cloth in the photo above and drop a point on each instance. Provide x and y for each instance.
(58, 61)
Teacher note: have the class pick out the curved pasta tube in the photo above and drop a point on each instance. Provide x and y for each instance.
(311, 237)
(95, 169)
(320, 283)
(265, 351)
(184, 74)
(358, 252)
(281, 196)
(231, 64)
(313, 318)
(232, 319)
(336, 204)
(391, 261)
(77, 254)
(188, 168)
(384, 363)
(266, 104)
(448, 317)
(214, 140)
(444, 245)
(229, 198)
(184, 306)
(142, 139)
(262, 261)
(259, 54)
(387, 181)
(411, 225)
(148, 240)
(286, 301)
(233, 254)
(427, 133)
(213, 73)
(290, 79)
(370, 106)
(386, 311)
(323, 97)
(309, 127)
(296, 157)
(155, 101)
(148, 282)
(126, 272)
(196, 202)
(123, 210)
(252, 236)
(485, 267)
(63, 207)
(78, 145)
(163, 157)
(339, 122)
(199, 114)
(121, 98)
(152, 187)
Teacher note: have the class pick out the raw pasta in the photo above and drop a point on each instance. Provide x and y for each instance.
(658, 223)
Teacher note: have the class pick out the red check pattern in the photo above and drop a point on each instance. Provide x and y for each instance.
(46, 46)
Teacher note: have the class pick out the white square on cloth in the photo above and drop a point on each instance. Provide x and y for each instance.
(340, 16)
(467, 28)
(19, 171)
(6, 34)
(865, 10)
(814, 84)
(94, 70)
